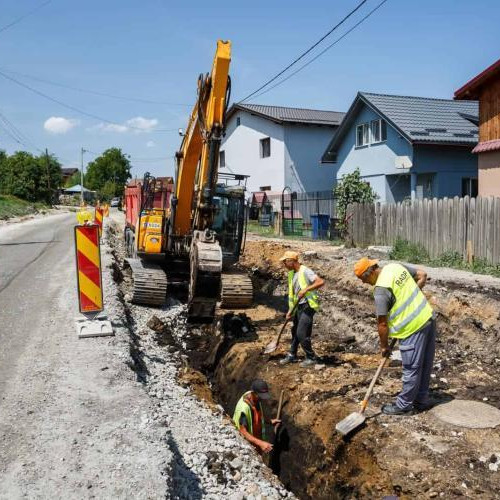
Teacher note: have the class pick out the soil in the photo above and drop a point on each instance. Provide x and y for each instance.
(411, 457)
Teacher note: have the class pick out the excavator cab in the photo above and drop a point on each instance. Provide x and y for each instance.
(229, 217)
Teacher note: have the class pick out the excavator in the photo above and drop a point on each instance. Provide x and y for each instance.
(195, 240)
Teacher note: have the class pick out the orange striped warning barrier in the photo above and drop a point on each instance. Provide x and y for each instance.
(106, 210)
(88, 266)
(98, 218)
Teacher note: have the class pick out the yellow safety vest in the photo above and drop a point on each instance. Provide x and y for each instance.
(411, 310)
(243, 407)
(312, 297)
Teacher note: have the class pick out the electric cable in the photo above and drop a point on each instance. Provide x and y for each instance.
(77, 110)
(93, 92)
(296, 60)
(323, 51)
(24, 16)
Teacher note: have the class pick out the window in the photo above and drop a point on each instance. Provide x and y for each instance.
(222, 158)
(362, 135)
(379, 131)
(265, 147)
(469, 187)
(238, 121)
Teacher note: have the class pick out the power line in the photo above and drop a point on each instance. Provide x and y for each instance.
(14, 133)
(295, 61)
(323, 51)
(77, 110)
(24, 16)
(94, 92)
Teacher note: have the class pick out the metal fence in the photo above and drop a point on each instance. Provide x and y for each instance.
(302, 215)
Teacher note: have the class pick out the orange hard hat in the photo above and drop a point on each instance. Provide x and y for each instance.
(290, 255)
(363, 265)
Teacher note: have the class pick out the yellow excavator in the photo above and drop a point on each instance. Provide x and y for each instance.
(195, 240)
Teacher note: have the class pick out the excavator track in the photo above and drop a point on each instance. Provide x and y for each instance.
(149, 283)
(205, 279)
(237, 291)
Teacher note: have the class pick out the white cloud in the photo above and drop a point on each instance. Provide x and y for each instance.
(150, 144)
(137, 124)
(59, 125)
(140, 124)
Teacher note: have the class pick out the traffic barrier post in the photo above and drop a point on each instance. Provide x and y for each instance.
(89, 282)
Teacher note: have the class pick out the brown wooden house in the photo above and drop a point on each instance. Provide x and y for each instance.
(485, 87)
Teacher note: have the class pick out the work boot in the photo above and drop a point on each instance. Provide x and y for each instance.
(392, 409)
(308, 362)
(423, 406)
(289, 358)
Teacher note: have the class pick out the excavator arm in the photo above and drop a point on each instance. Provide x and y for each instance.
(197, 160)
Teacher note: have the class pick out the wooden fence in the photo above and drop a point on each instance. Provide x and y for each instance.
(469, 226)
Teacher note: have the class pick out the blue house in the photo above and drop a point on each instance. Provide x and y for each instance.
(408, 147)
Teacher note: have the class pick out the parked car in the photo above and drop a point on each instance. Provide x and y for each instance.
(115, 202)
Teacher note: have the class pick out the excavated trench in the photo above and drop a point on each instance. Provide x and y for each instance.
(387, 456)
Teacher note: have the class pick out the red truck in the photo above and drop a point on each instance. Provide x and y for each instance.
(135, 197)
(146, 194)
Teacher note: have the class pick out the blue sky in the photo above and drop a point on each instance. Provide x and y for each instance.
(155, 49)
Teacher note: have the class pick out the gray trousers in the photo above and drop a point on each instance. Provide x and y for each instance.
(417, 354)
(302, 330)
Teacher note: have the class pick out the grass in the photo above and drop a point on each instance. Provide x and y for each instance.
(416, 254)
(10, 206)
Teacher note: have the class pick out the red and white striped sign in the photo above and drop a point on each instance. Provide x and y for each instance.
(88, 265)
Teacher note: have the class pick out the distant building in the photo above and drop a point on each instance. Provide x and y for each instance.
(408, 147)
(279, 146)
(68, 173)
(485, 87)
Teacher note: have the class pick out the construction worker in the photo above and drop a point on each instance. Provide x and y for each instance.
(249, 416)
(302, 304)
(403, 313)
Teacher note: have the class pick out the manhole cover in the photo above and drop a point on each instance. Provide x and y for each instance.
(471, 414)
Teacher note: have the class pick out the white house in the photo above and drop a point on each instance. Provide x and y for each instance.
(279, 147)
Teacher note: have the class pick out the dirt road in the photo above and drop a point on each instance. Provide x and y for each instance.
(72, 416)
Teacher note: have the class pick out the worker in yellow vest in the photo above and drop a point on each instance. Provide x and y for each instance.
(249, 416)
(403, 313)
(302, 305)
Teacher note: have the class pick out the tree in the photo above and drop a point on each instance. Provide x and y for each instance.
(32, 178)
(76, 178)
(108, 173)
(351, 189)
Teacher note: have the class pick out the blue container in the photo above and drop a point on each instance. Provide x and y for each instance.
(320, 224)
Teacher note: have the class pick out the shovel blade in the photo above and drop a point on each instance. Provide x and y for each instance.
(271, 347)
(351, 422)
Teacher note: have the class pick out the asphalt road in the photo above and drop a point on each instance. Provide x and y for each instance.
(71, 411)
(33, 256)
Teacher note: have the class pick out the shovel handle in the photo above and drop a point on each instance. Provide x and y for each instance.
(280, 405)
(278, 338)
(364, 403)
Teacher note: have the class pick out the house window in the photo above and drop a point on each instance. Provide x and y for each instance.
(362, 135)
(238, 121)
(379, 131)
(469, 187)
(265, 147)
(222, 158)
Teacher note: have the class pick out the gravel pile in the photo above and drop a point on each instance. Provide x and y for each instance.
(209, 457)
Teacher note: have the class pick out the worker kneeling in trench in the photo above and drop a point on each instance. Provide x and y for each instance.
(249, 416)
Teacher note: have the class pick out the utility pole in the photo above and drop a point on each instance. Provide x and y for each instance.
(47, 160)
(81, 176)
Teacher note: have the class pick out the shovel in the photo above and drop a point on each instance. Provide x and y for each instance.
(356, 419)
(273, 345)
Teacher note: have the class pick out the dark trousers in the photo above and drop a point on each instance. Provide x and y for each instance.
(302, 330)
(417, 354)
